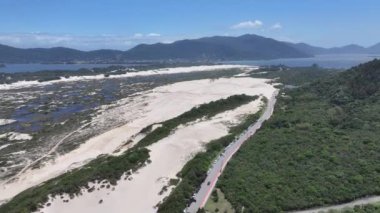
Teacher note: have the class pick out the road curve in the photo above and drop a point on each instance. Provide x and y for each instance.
(352, 204)
(217, 168)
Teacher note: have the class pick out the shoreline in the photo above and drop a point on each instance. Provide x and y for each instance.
(162, 71)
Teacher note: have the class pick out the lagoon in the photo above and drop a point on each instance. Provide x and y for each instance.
(336, 61)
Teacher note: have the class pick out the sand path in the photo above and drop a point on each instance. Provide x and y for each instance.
(168, 156)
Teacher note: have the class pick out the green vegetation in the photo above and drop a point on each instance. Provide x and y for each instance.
(204, 110)
(218, 203)
(109, 169)
(321, 147)
(195, 171)
(103, 168)
(295, 76)
(192, 175)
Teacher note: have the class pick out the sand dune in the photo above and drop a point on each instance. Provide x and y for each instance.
(168, 156)
(154, 106)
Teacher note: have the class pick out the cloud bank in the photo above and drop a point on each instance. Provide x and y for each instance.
(276, 26)
(248, 25)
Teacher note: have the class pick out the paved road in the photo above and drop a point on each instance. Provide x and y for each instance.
(352, 204)
(217, 168)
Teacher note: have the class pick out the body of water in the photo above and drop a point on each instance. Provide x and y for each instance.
(338, 61)
(13, 68)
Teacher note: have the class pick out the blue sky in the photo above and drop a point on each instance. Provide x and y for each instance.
(121, 24)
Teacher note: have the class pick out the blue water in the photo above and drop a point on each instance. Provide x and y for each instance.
(327, 61)
(13, 68)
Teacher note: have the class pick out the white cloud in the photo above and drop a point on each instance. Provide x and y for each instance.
(138, 35)
(10, 39)
(276, 26)
(248, 25)
(153, 35)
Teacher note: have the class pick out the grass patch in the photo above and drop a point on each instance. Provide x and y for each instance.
(218, 203)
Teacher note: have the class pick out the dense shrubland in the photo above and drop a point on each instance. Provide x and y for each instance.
(320, 147)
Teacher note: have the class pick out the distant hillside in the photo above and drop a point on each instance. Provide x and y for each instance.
(246, 47)
(309, 49)
(51, 55)
(216, 48)
(348, 49)
(374, 49)
(352, 48)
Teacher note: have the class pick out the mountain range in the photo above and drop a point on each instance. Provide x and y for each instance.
(348, 49)
(245, 47)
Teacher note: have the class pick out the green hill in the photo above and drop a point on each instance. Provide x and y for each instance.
(360, 82)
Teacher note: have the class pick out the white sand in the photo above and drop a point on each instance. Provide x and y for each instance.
(156, 106)
(18, 153)
(259, 73)
(16, 136)
(5, 145)
(23, 84)
(168, 157)
(6, 121)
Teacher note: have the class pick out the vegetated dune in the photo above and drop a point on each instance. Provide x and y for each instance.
(151, 107)
(142, 191)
